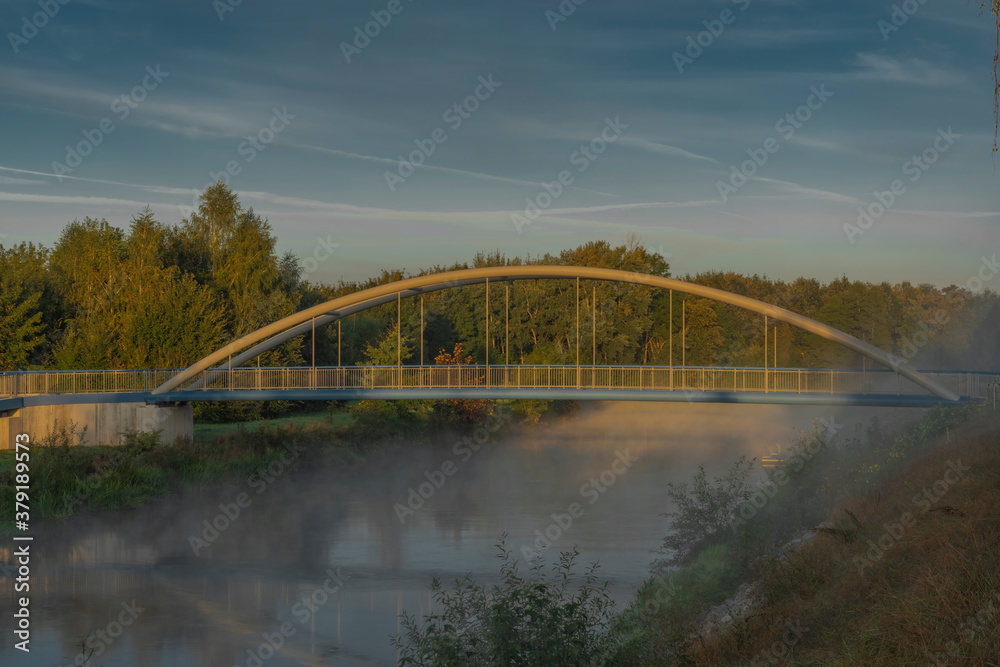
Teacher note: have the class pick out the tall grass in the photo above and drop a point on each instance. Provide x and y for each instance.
(67, 478)
(859, 482)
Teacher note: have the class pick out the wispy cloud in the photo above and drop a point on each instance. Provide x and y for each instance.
(159, 189)
(447, 170)
(879, 67)
(796, 190)
(7, 180)
(70, 199)
(663, 149)
(637, 205)
(366, 211)
(192, 118)
(951, 214)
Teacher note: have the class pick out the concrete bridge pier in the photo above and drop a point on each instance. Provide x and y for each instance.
(95, 423)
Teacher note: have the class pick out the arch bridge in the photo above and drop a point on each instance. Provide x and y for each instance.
(222, 375)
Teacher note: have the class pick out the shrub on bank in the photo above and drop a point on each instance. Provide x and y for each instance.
(660, 626)
(523, 621)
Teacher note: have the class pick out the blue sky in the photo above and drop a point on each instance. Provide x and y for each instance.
(210, 75)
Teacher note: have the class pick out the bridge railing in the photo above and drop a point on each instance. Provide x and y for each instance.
(25, 383)
(785, 380)
(831, 381)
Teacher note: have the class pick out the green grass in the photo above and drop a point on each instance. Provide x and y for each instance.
(336, 421)
(67, 479)
(6, 459)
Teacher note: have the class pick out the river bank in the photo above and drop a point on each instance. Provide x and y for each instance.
(67, 478)
(903, 570)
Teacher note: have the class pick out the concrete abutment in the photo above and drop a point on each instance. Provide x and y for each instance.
(96, 423)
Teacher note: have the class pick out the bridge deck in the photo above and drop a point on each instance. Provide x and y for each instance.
(828, 386)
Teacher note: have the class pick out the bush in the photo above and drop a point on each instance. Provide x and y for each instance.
(702, 511)
(533, 621)
(378, 419)
(657, 627)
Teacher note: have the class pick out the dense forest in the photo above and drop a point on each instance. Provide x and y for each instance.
(161, 296)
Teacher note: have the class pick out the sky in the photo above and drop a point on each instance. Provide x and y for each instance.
(730, 135)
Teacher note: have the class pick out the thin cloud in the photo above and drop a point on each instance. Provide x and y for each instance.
(803, 191)
(878, 67)
(638, 205)
(366, 211)
(7, 180)
(159, 189)
(71, 199)
(952, 214)
(663, 149)
(448, 170)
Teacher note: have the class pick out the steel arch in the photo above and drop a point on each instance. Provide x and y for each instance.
(278, 332)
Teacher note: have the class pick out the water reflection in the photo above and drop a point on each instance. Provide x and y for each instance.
(309, 526)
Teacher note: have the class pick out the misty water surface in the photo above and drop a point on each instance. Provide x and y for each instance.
(212, 608)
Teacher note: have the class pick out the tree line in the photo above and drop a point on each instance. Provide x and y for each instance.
(163, 296)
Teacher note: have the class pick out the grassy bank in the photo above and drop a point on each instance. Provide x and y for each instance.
(909, 554)
(66, 478)
(335, 420)
(909, 575)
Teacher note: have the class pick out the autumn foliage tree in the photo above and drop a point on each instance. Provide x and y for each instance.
(463, 410)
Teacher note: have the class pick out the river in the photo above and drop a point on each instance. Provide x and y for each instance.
(330, 557)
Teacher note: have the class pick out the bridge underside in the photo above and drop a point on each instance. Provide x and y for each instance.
(496, 393)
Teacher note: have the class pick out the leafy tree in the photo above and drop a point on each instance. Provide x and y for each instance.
(702, 510)
(523, 621)
(149, 315)
(389, 350)
(27, 287)
(704, 335)
(20, 325)
(85, 264)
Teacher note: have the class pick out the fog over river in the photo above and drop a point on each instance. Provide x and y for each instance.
(131, 581)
